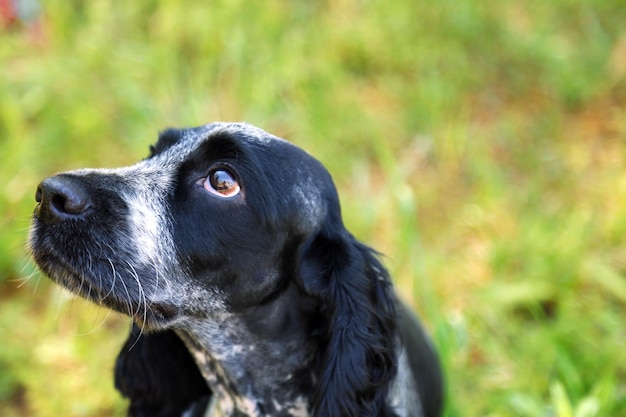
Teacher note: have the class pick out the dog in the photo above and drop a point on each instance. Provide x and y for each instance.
(248, 296)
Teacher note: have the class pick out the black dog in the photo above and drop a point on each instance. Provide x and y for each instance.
(249, 297)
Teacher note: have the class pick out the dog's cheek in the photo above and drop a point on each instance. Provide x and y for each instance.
(149, 233)
(256, 288)
(149, 221)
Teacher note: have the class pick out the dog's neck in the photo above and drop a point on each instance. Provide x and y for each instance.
(251, 375)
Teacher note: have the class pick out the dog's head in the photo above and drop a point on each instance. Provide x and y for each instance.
(221, 219)
(202, 224)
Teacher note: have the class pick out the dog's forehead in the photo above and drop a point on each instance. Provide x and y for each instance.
(192, 138)
(251, 132)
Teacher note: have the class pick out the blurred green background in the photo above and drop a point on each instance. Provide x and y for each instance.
(479, 144)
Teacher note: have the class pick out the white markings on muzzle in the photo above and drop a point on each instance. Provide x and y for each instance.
(150, 226)
(149, 223)
(144, 188)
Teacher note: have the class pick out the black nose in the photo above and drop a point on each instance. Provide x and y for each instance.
(60, 197)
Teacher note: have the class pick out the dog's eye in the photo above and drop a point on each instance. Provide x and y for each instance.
(222, 183)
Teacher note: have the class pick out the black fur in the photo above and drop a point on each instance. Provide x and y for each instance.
(157, 373)
(259, 303)
(358, 359)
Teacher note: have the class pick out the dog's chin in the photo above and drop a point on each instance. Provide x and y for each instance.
(147, 314)
(66, 276)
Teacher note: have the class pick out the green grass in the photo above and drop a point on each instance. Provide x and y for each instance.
(479, 144)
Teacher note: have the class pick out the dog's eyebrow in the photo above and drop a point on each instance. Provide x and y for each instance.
(219, 146)
(223, 145)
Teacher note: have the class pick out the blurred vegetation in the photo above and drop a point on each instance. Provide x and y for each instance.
(479, 144)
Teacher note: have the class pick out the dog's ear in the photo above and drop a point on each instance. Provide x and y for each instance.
(158, 375)
(357, 360)
(167, 138)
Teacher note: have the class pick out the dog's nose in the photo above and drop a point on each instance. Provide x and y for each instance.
(60, 197)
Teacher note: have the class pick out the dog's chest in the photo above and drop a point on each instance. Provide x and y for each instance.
(244, 391)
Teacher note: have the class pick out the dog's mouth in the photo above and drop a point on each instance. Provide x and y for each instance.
(107, 287)
(65, 274)
(157, 316)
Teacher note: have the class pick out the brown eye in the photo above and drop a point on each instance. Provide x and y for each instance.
(222, 183)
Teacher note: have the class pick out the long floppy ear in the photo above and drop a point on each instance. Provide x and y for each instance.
(357, 359)
(157, 374)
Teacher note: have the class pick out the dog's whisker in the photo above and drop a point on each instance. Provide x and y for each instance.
(112, 281)
(145, 312)
(142, 295)
(128, 297)
(95, 327)
(157, 282)
(133, 273)
(111, 288)
(97, 274)
(36, 287)
(25, 279)
(26, 264)
(157, 275)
